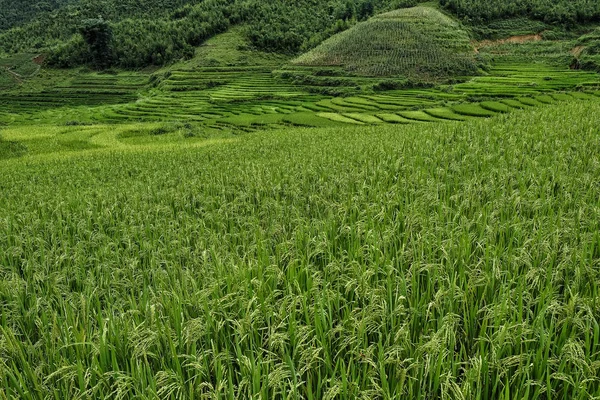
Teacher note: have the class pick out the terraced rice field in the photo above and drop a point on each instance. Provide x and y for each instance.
(74, 98)
(235, 99)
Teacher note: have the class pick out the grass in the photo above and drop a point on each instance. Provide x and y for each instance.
(6, 80)
(232, 49)
(9, 149)
(415, 261)
(418, 116)
(503, 28)
(393, 119)
(514, 103)
(445, 113)
(340, 118)
(495, 106)
(366, 118)
(473, 110)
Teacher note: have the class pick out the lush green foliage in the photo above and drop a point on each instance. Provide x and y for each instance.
(10, 149)
(414, 42)
(154, 32)
(16, 12)
(98, 36)
(16, 68)
(55, 28)
(568, 12)
(144, 41)
(228, 88)
(156, 241)
(293, 26)
(504, 28)
(426, 262)
(588, 56)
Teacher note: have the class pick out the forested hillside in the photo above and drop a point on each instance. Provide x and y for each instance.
(140, 33)
(133, 34)
(568, 12)
(16, 12)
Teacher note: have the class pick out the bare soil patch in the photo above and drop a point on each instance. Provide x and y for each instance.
(519, 39)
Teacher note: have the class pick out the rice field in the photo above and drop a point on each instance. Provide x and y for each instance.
(451, 260)
(226, 99)
(240, 227)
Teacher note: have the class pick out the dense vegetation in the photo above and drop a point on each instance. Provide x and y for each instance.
(439, 260)
(589, 51)
(157, 32)
(161, 31)
(419, 43)
(16, 12)
(238, 225)
(142, 34)
(568, 12)
(429, 261)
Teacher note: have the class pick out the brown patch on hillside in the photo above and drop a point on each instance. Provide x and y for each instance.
(520, 39)
(39, 60)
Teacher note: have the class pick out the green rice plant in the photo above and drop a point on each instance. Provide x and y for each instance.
(445, 113)
(393, 119)
(340, 118)
(307, 120)
(472, 110)
(373, 105)
(515, 103)
(546, 99)
(338, 105)
(495, 106)
(366, 118)
(528, 101)
(418, 116)
(562, 96)
(11, 149)
(581, 95)
(418, 261)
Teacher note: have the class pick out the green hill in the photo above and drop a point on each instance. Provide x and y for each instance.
(569, 12)
(156, 32)
(159, 32)
(415, 42)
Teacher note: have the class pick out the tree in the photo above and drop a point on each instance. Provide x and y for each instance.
(98, 36)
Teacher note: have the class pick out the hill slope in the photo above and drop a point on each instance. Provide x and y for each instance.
(156, 32)
(415, 42)
(558, 11)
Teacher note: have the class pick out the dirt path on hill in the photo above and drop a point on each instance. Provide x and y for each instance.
(16, 76)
